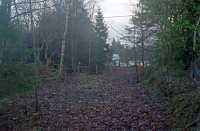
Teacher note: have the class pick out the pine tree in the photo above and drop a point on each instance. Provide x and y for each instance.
(100, 46)
(100, 27)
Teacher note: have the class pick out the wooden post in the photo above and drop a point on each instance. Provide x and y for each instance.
(96, 69)
(79, 64)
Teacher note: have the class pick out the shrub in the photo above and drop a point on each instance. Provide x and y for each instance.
(15, 78)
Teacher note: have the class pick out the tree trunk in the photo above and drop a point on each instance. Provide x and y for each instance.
(143, 63)
(90, 53)
(36, 58)
(135, 57)
(46, 53)
(195, 35)
(142, 33)
(65, 34)
(194, 49)
(2, 46)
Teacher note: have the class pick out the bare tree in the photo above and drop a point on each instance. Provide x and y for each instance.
(67, 5)
(91, 6)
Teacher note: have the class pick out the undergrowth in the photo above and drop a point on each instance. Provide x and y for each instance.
(181, 95)
(15, 78)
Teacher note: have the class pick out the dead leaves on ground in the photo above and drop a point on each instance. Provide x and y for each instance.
(89, 103)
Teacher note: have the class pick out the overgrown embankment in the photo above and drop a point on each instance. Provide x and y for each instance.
(181, 95)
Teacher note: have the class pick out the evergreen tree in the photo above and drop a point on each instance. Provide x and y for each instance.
(116, 47)
(101, 46)
(177, 22)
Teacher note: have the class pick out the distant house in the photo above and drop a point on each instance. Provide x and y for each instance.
(116, 60)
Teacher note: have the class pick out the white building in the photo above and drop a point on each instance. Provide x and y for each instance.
(116, 60)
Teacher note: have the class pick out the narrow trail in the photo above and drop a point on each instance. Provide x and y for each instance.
(106, 102)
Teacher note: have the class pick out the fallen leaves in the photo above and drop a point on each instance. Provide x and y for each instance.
(103, 102)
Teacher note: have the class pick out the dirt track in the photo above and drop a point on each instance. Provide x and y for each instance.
(112, 101)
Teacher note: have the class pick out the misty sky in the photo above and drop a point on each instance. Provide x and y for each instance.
(117, 8)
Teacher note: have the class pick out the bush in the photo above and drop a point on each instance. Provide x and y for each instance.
(180, 94)
(184, 108)
(15, 78)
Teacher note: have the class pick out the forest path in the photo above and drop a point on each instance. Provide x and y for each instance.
(107, 102)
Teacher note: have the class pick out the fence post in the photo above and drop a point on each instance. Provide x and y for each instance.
(96, 69)
(79, 67)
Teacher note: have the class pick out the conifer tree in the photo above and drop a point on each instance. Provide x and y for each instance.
(101, 46)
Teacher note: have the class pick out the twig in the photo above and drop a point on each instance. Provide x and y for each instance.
(191, 124)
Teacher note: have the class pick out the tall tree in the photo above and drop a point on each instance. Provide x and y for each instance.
(176, 21)
(65, 34)
(100, 46)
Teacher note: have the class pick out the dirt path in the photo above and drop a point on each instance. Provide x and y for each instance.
(88, 103)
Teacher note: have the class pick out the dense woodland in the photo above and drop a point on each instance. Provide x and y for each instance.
(58, 50)
(175, 61)
(38, 36)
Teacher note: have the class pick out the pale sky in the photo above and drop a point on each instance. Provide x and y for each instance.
(117, 8)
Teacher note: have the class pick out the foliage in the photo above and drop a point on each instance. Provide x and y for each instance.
(125, 52)
(178, 92)
(38, 35)
(184, 108)
(176, 21)
(15, 78)
(174, 52)
(15, 75)
(100, 45)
